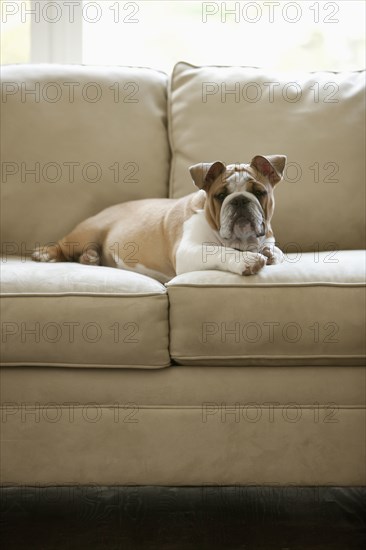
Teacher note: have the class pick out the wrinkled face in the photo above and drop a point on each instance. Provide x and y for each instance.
(241, 204)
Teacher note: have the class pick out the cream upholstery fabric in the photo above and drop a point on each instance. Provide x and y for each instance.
(184, 426)
(173, 446)
(185, 386)
(316, 119)
(109, 121)
(67, 314)
(296, 313)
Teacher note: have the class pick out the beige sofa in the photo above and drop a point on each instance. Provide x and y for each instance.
(111, 378)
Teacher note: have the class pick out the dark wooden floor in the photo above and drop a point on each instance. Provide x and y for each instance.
(169, 518)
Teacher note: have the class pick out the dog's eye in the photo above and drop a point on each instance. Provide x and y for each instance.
(259, 193)
(221, 197)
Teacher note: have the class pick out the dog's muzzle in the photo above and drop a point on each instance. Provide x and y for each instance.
(243, 218)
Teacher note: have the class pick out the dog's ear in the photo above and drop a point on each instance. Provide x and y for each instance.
(205, 173)
(271, 166)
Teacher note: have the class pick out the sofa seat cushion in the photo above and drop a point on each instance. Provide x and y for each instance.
(307, 311)
(67, 314)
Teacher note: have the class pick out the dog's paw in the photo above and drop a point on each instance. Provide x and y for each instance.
(45, 254)
(274, 255)
(254, 263)
(90, 257)
(268, 253)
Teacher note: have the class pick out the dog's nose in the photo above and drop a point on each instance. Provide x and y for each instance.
(239, 200)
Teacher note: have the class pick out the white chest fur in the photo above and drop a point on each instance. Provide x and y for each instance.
(200, 249)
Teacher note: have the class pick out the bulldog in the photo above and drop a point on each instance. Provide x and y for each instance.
(225, 225)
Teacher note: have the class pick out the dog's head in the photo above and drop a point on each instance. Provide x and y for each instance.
(240, 202)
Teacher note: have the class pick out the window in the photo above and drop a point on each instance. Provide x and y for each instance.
(15, 41)
(279, 35)
(302, 35)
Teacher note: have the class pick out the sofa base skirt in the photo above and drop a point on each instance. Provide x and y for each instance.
(207, 443)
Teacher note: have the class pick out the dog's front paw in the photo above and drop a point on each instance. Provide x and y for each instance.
(253, 263)
(273, 254)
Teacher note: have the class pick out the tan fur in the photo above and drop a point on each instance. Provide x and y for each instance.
(114, 232)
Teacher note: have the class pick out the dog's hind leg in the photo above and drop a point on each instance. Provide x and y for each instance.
(51, 252)
(82, 245)
(90, 256)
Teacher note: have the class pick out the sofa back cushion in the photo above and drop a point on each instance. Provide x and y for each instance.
(76, 139)
(316, 119)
